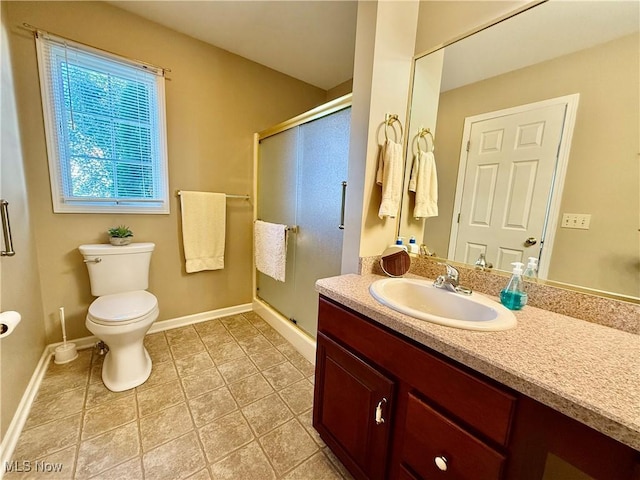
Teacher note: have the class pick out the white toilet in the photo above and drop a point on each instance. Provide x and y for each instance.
(123, 312)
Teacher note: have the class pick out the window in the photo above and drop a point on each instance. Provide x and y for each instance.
(105, 129)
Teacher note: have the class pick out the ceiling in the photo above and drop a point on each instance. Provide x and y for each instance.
(313, 41)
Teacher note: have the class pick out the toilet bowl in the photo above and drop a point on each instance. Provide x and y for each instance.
(121, 321)
(123, 312)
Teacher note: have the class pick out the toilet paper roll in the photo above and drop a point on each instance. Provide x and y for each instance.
(8, 321)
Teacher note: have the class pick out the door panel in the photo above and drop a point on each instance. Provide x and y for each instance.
(507, 185)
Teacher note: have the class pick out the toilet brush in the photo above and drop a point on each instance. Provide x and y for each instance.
(67, 351)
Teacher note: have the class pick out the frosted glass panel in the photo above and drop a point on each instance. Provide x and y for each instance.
(277, 176)
(322, 167)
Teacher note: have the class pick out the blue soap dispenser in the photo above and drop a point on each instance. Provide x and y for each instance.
(513, 296)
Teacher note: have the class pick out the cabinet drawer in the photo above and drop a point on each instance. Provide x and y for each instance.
(483, 406)
(429, 435)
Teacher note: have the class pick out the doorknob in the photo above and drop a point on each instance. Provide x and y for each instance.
(530, 242)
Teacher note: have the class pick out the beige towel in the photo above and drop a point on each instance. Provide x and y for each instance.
(389, 176)
(424, 182)
(270, 249)
(203, 230)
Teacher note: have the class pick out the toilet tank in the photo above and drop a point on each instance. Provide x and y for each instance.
(117, 269)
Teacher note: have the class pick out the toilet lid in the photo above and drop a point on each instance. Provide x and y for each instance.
(122, 308)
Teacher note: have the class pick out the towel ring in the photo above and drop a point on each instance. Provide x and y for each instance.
(388, 121)
(423, 133)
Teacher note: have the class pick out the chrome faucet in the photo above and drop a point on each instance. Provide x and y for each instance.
(450, 281)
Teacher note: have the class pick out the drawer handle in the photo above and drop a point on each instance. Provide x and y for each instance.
(379, 419)
(441, 463)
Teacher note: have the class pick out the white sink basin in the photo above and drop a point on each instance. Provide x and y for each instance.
(420, 299)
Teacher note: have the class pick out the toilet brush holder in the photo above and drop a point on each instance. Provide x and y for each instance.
(65, 353)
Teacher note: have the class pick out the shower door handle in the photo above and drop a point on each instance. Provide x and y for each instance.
(344, 194)
(6, 230)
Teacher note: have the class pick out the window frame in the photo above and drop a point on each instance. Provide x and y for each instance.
(158, 205)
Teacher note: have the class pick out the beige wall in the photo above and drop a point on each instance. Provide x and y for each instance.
(603, 172)
(441, 21)
(215, 101)
(20, 287)
(340, 90)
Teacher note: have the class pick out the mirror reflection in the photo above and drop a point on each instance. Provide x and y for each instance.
(535, 125)
(395, 261)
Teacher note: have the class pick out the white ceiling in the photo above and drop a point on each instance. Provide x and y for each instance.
(312, 41)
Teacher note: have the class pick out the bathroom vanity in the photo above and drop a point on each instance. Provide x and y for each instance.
(397, 397)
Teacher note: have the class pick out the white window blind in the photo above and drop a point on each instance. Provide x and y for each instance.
(105, 129)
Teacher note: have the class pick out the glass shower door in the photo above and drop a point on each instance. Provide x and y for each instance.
(300, 177)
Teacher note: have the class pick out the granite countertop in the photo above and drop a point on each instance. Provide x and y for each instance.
(587, 371)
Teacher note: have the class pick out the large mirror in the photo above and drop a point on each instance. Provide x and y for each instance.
(536, 129)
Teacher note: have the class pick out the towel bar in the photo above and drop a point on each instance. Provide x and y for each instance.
(228, 195)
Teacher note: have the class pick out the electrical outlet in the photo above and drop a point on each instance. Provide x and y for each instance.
(576, 220)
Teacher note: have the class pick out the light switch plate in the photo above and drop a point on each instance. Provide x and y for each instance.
(576, 220)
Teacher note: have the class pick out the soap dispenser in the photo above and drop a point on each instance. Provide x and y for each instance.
(531, 272)
(400, 243)
(513, 296)
(413, 246)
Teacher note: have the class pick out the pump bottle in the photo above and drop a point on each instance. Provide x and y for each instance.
(513, 296)
(531, 272)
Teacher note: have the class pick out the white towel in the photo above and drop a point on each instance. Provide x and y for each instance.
(424, 182)
(203, 230)
(270, 247)
(389, 176)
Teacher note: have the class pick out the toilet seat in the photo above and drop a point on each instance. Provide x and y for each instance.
(122, 308)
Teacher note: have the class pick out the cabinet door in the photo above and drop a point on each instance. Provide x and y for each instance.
(351, 409)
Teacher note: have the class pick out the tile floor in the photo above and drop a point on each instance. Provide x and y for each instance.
(227, 399)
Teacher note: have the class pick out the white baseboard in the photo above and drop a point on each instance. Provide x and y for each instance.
(10, 438)
(305, 344)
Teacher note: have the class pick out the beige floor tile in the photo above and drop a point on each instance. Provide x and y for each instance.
(250, 389)
(165, 425)
(305, 366)
(159, 352)
(254, 344)
(201, 382)
(154, 399)
(225, 435)
(234, 321)
(267, 358)
(163, 372)
(306, 420)
(209, 328)
(287, 446)
(255, 320)
(55, 407)
(318, 467)
(121, 444)
(155, 339)
(181, 335)
(237, 369)
(226, 352)
(214, 340)
(298, 396)
(211, 405)
(266, 414)
(243, 333)
(108, 416)
(273, 336)
(247, 463)
(175, 460)
(130, 470)
(287, 349)
(95, 376)
(282, 375)
(97, 393)
(187, 348)
(50, 437)
(201, 475)
(58, 465)
(54, 384)
(194, 363)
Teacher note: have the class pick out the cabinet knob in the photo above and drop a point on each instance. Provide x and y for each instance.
(441, 463)
(379, 418)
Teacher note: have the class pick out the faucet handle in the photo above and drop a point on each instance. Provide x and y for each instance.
(452, 272)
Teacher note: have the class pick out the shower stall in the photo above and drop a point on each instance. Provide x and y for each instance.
(301, 182)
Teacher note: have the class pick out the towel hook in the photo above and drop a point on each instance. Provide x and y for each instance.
(388, 121)
(423, 133)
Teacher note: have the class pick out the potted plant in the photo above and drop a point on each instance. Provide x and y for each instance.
(120, 235)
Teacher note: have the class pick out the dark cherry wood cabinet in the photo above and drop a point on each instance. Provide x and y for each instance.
(391, 408)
